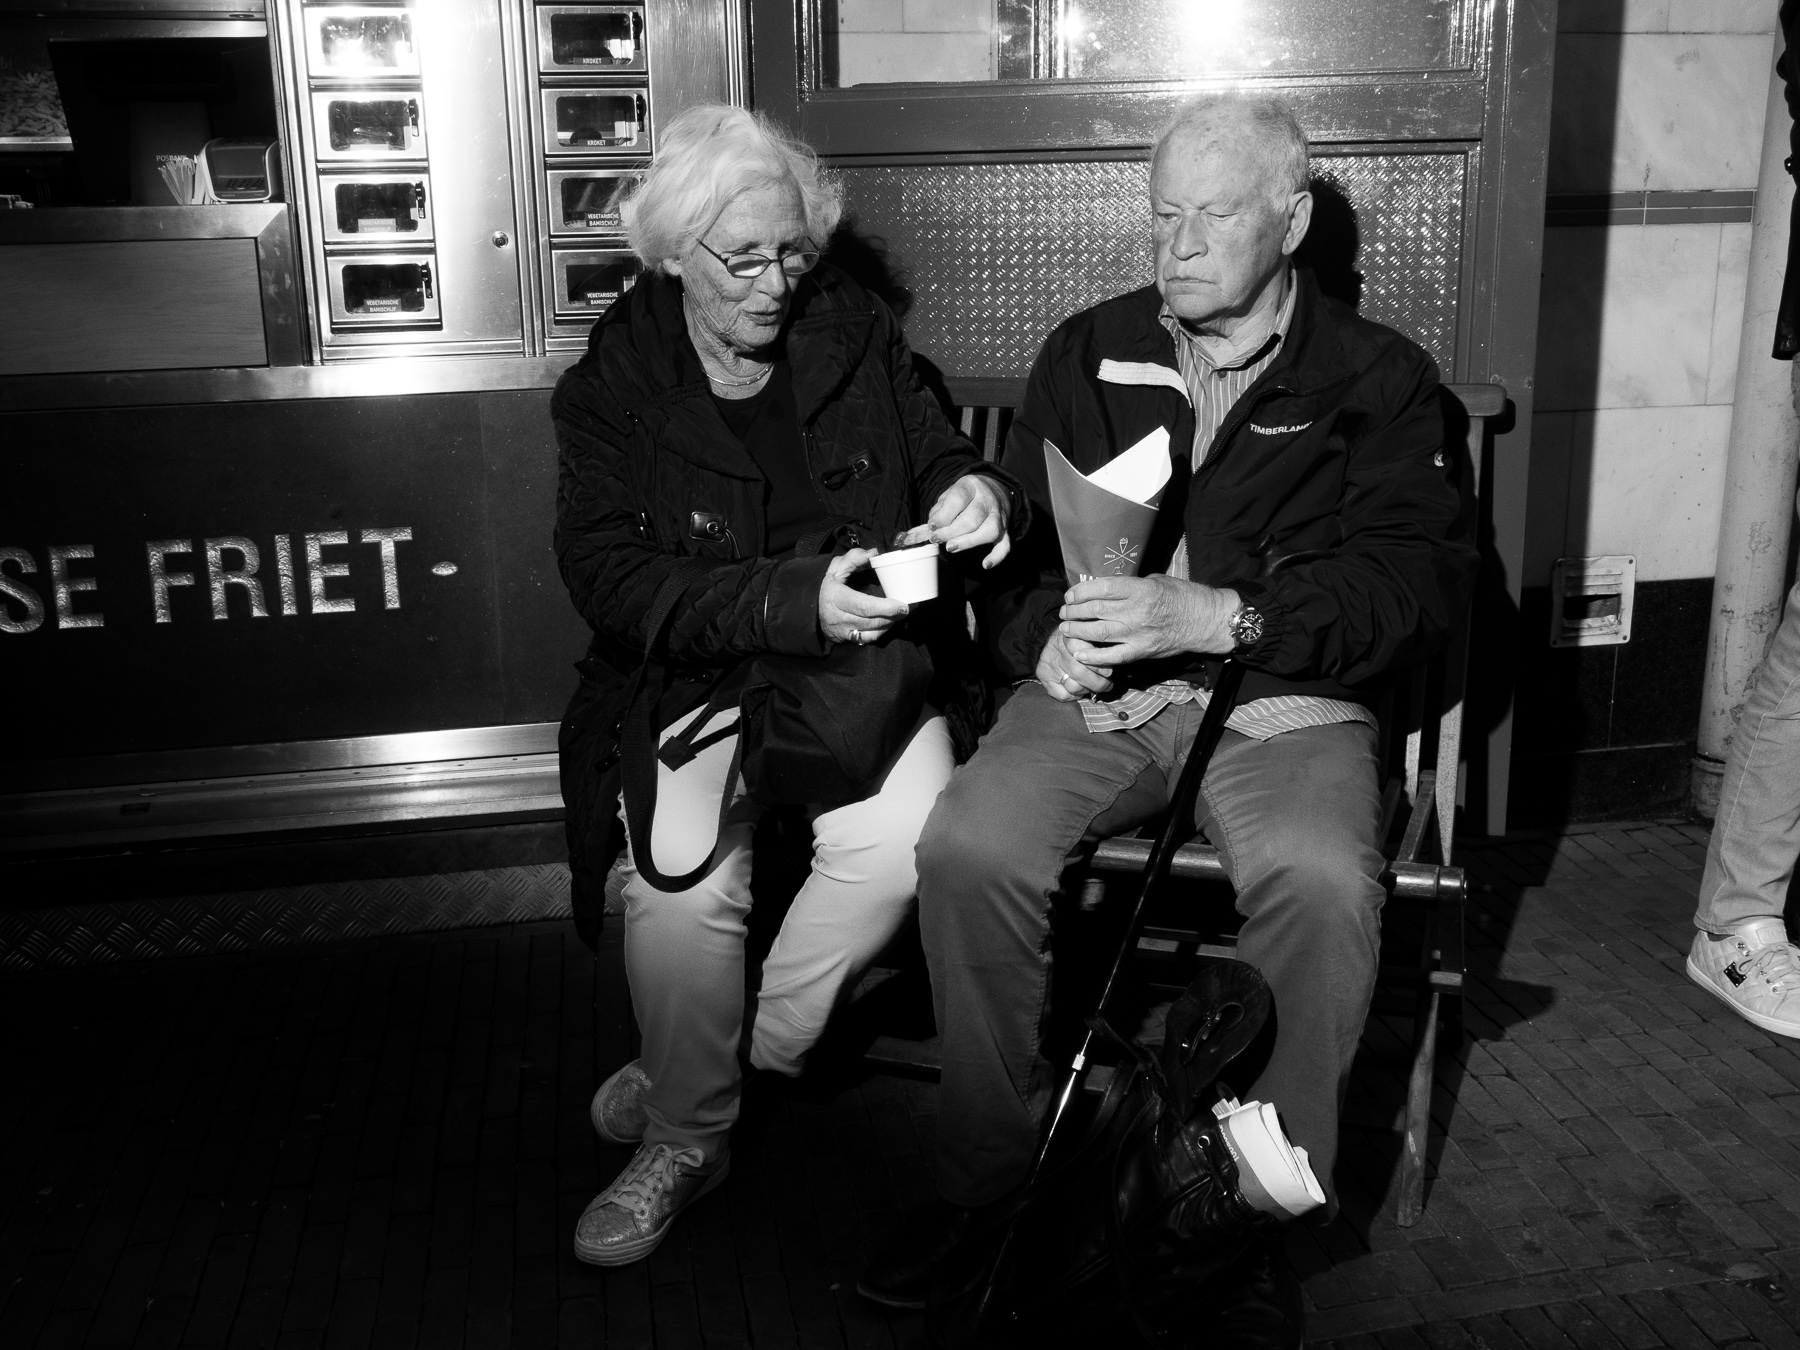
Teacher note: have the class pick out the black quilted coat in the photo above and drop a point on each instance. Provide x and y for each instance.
(649, 473)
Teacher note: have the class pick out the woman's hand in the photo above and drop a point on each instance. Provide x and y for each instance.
(847, 615)
(972, 512)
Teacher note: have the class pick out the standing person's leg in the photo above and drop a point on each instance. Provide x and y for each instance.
(684, 959)
(858, 895)
(1742, 953)
(1295, 819)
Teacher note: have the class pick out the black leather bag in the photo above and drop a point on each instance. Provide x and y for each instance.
(1138, 1229)
(813, 731)
(820, 730)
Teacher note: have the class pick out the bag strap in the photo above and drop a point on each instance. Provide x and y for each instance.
(637, 751)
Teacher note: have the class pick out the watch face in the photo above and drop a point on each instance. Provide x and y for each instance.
(1247, 627)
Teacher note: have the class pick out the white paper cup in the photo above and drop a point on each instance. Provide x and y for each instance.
(908, 575)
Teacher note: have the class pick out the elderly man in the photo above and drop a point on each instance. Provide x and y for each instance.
(1297, 429)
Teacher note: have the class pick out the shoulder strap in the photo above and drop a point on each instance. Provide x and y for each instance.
(637, 748)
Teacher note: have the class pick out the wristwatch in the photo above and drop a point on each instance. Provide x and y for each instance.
(1246, 627)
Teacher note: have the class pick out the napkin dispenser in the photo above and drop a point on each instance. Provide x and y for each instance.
(243, 170)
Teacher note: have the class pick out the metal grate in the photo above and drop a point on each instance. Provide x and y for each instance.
(144, 930)
(996, 255)
(1409, 216)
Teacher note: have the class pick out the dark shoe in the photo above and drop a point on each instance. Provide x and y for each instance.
(899, 1275)
(1260, 1307)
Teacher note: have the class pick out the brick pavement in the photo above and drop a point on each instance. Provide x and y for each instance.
(385, 1143)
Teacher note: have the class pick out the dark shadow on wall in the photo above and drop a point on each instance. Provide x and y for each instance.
(1331, 244)
(867, 260)
(1598, 731)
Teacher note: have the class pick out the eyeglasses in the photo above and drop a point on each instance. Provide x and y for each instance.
(748, 266)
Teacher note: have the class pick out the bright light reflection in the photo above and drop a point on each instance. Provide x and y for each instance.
(1210, 34)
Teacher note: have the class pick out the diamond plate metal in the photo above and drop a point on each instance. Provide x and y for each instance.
(144, 930)
(997, 255)
(1409, 216)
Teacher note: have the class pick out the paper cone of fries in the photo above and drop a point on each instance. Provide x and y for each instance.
(1103, 519)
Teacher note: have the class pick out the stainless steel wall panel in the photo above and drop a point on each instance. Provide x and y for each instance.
(203, 925)
(997, 254)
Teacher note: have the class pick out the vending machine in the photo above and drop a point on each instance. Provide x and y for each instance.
(456, 162)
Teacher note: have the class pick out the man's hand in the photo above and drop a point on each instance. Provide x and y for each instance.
(972, 512)
(1124, 619)
(1069, 669)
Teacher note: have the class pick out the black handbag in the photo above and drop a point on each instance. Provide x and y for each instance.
(813, 731)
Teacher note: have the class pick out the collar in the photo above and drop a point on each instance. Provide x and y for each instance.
(647, 359)
(1249, 347)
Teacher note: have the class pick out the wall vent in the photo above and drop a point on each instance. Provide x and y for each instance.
(1590, 601)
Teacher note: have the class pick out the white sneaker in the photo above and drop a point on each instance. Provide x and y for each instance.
(626, 1221)
(618, 1107)
(1755, 970)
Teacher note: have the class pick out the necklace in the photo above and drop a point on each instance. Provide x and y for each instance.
(757, 378)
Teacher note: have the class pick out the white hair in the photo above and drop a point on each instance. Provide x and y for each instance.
(1267, 119)
(707, 157)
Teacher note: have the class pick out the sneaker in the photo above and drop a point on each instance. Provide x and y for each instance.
(1755, 970)
(626, 1221)
(618, 1107)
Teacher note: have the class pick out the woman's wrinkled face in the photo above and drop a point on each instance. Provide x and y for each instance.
(745, 314)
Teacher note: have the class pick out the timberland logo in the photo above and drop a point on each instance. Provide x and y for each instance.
(1733, 974)
(1279, 431)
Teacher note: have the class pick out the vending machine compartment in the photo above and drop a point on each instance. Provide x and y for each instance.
(382, 290)
(597, 122)
(346, 42)
(368, 124)
(590, 39)
(581, 200)
(584, 282)
(373, 210)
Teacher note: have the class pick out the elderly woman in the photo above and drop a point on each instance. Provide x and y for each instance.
(740, 400)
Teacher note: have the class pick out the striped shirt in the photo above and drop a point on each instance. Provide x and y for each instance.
(1214, 383)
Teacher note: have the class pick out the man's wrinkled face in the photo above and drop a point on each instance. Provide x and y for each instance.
(1224, 229)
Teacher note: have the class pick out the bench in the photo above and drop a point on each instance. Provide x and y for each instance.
(1421, 740)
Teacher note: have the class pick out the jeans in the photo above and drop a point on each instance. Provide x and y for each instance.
(1295, 819)
(1756, 835)
(684, 951)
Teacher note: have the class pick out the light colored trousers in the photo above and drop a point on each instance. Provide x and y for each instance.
(684, 951)
(1756, 835)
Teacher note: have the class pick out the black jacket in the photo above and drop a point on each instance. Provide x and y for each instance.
(650, 473)
(1339, 446)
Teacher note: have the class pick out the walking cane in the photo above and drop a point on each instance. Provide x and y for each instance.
(1176, 829)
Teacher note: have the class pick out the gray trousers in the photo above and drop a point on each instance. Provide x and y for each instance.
(1295, 819)
(1756, 835)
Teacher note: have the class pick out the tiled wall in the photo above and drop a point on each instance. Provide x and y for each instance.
(1657, 117)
